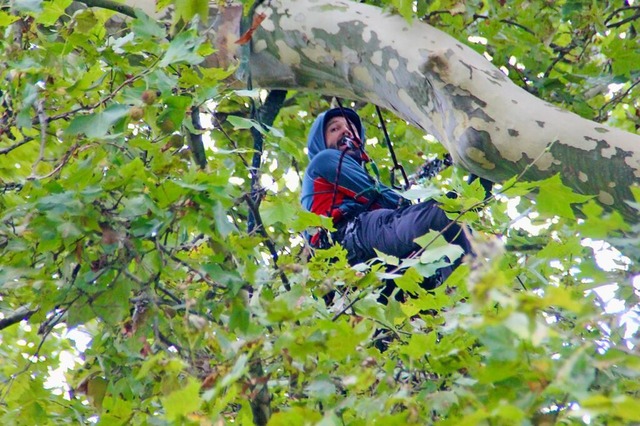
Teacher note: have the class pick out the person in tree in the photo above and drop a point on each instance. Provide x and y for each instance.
(367, 215)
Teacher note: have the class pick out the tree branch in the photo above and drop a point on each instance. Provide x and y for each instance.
(195, 140)
(110, 5)
(22, 313)
(267, 240)
(266, 114)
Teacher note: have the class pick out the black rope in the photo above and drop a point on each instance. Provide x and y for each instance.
(396, 165)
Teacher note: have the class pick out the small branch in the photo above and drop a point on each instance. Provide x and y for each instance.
(260, 400)
(265, 115)
(234, 144)
(22, 313)
(623, 21)
(110, 5)
(5, 151)
(103, 101)
(346, 308)
(59, 167)
(173, 257)
(615, 100)
(508, 22)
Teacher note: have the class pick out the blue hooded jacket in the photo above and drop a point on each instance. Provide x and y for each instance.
(353, 189)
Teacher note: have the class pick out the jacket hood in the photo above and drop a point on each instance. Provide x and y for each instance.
(316, 142)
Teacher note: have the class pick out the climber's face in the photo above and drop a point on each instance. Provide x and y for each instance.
(335, 132)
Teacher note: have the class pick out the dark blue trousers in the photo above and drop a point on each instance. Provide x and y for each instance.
(393, 231)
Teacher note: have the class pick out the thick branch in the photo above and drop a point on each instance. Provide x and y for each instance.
(110, 5)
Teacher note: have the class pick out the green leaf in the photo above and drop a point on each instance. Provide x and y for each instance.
(276, 210)
(145, 27)
(556, 199)
(420, 345)
(183, 48)
(7, 19)
(52, 11)
(405, 8)
(239, 318)
(97, 125)
(295, 416)
(222, 222)
(433, 239)
(244, 123)
(410, 281)
(322, 388)
(183, 401)
(187, 9)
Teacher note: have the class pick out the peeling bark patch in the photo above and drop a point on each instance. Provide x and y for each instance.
(259, 46)
(287, 54)
(606, 198)
(597, 181)
(472, 106)
(540, 123)
(437, 63)
(390, 78)
(513, 133)
(479, 157)
(362, 76)
(376, 58)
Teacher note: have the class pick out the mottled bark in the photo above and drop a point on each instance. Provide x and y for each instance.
(490, 126)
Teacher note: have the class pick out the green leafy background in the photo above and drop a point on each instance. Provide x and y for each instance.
(111, 229)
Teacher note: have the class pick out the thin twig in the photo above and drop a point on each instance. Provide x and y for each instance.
(102, 101)
(616, 99)
(346, 308)
(186, 265)
(5, 151)
(267, 240)
(59, 167)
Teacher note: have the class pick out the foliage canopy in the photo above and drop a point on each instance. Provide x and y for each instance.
(116, 222)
